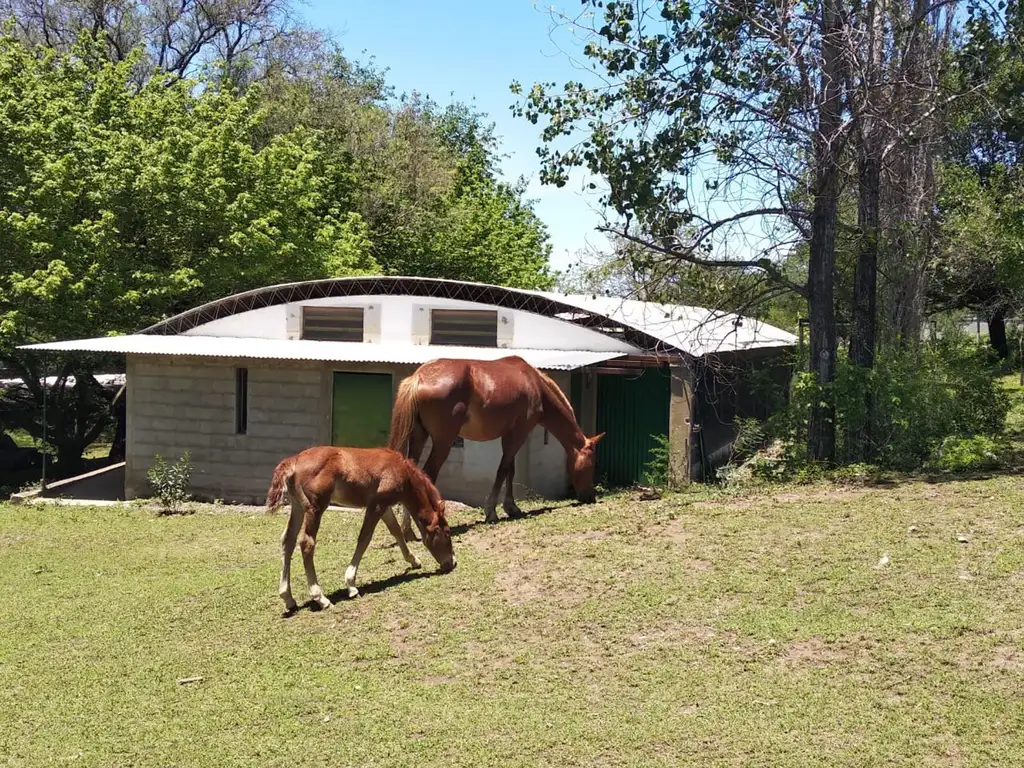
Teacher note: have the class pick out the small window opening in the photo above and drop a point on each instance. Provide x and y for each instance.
(241, 401)
(332, 323)
(464, 327)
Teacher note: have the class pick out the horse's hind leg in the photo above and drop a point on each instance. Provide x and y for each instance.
(396, 530)
(370, 518)
(510, 445)
(509, 504)
(291, 532)
(307, 543)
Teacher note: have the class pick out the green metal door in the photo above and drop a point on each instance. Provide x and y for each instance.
(632, 411)
(361, 410)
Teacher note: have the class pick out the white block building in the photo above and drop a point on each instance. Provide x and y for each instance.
(247, 380)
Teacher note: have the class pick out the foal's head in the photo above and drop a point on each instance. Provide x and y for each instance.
(581, 469)
(427, 509)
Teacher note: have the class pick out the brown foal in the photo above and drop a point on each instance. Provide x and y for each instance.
(484, 400)
(374, 478)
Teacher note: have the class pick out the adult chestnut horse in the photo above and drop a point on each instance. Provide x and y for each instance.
(484, 400)
(374, 478)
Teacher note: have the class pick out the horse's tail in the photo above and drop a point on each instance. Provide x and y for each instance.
(404, 415)
(281, 483)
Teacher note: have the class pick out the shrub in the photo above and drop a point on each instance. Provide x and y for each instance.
(170, 481)
(966, 454)
(922, 396)
(656, 468)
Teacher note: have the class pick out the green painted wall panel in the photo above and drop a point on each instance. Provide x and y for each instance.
(630, 410)
(361, 410)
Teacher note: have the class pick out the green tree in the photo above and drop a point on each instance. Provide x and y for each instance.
(707, 119)
(120, 204)
(427, 178)
(979, 265)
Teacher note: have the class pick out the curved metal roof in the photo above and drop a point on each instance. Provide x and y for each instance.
(507, 298)
(654, 328)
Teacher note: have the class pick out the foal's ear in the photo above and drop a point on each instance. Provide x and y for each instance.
(595, 439)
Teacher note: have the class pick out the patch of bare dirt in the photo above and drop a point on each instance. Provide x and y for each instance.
(676, 531)
(13, 539)
(409, 635)
(1009, 658)
(673, 635)
(532, 580)
(438, 680)
(1006, 658)
(815, 652)
(695, 565)
(584, 536)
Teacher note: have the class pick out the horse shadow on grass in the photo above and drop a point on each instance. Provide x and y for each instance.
(375, 587)
(463, 528)
(340, 595)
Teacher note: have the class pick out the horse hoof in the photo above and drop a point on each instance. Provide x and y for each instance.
(351, 592)
(514, 512)
(415, 565)
(324, 603)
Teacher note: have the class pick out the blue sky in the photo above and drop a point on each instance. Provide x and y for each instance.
(471, 50)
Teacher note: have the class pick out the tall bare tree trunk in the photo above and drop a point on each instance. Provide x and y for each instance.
(821, 437)
(865, 291)
(870, 151)
(997, 334)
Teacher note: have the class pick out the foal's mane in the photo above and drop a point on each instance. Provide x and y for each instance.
(420, 484)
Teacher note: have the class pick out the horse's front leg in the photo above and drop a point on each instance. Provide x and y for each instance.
(291, 533)
(396, 530)
(510, 445)
(307, 543)
(370, 518)
(417, 441)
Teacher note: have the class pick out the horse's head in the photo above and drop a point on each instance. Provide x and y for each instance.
(581, 469)
(430, 519)
(437, 538)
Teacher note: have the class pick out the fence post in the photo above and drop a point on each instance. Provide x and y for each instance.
(42, 484)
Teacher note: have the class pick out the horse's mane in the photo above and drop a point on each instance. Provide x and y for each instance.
(558, 393)
(422, 484)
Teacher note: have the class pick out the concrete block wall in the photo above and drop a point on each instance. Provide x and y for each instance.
(468, 474)
(177, 404)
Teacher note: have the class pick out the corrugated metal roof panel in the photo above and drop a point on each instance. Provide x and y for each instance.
(332, 351)
(696, 330)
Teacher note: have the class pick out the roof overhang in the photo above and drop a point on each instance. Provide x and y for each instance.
(325, 351)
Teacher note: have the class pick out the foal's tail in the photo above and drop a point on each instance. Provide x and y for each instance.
(404, 415)
(281, 483)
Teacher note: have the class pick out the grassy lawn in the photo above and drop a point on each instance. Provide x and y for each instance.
(759, 630)
(96, 450)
